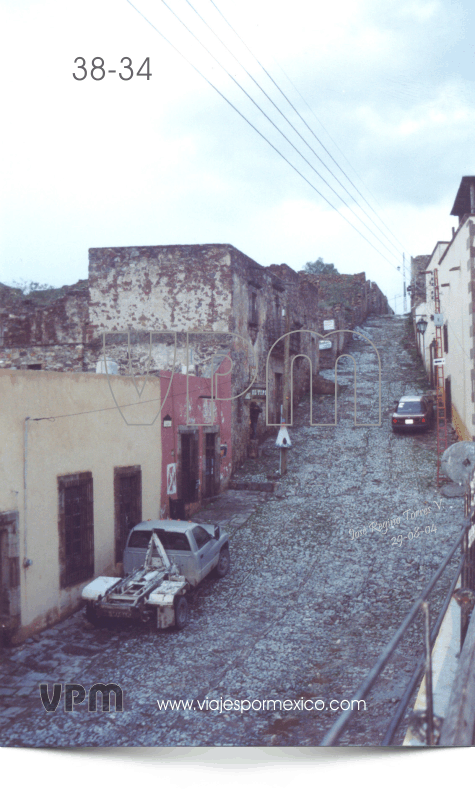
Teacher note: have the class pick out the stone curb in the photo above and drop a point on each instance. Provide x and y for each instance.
(262, 487)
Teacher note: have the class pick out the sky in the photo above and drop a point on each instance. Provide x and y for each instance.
(387, 86)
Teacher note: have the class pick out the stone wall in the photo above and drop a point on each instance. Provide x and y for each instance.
(45, 329)
(302, 314)
(347, 299)
(214, 288)
(140, 302)
(419, 265)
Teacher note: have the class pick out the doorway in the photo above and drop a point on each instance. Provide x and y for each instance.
(189, 479)
(210, 465)
(128, 504)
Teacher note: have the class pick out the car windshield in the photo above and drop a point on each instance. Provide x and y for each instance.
(171, 540)
(409, 407)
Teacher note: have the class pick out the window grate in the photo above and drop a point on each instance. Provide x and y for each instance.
(76, 528)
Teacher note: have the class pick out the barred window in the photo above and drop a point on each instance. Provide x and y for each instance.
(76, 528)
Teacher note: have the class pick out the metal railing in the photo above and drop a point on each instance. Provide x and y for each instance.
(466, 568)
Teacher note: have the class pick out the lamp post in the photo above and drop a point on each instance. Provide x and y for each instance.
(421, 326)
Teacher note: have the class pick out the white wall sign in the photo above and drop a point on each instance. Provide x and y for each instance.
(171, 479)
(255, 392)
(324, 345)
(328, 324)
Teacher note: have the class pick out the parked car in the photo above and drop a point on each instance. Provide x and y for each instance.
(413, 412)
(163, 560)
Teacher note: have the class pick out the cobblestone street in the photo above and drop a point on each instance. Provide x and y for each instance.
(306, 608)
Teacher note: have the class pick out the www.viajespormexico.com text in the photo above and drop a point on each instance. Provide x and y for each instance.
(243, 705)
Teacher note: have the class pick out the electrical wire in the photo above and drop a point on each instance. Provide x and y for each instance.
(115, 407)
(297, 132)
(197, 70)
(309, 128)
(274, 124)
(401, 244)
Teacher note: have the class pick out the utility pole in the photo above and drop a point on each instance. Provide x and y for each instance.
(404, 280)
(287, 390)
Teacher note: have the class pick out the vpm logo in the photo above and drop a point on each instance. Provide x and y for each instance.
(74, 694)
(208, 335)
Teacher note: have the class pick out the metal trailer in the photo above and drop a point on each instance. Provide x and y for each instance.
(155, 590)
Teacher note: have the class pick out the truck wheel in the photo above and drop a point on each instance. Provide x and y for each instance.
(223, 563)
(181, 612)
(92, 617)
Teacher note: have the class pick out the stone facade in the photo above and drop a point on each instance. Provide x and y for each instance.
(216, 291)
(45, 330)
(417, 288)
(184, 309)
(347, 300)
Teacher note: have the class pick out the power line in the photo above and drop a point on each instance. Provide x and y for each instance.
(127, 405)
(309, 128)
(346, 158)
(273, 123)
(293, 127)
(195, 68)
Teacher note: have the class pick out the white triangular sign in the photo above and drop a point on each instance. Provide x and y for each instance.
(283, 439)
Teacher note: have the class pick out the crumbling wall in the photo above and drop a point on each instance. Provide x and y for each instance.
(347, 299)
(169, 290)
(176, 287)
(378, 302)
(160, 288)
(46, 329)
(419, 265)
(301, 304)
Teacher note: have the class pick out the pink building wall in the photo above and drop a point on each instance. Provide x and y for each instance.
(201, 411)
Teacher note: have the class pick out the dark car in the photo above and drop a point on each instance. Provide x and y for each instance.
(413, 413)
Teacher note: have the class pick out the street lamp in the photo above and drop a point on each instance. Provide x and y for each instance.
(421, 326)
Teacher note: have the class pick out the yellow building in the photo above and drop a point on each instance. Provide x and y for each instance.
(76, 474)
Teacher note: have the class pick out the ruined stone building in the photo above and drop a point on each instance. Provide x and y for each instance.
(345, 301)
(45, 330)
(417, 287)
(86, 456)
(236, 307)
(189, 314)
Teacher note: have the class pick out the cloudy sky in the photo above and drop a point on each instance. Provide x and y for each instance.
(387, 86)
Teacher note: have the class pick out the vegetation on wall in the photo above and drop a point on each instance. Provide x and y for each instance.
(319, 267)
(33, 290)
